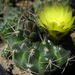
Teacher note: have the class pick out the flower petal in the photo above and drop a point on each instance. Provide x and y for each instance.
(39, 22)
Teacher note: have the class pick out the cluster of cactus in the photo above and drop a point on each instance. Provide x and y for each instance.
(33, 48)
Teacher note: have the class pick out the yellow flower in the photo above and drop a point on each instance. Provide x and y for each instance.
(56, 19)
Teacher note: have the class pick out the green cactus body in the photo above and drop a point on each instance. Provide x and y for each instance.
(26, 56)
(15, 38)
(39, 57)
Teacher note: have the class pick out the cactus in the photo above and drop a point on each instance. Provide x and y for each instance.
(31, 30)
(33, 48)
(9, 28)
(39, 56)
